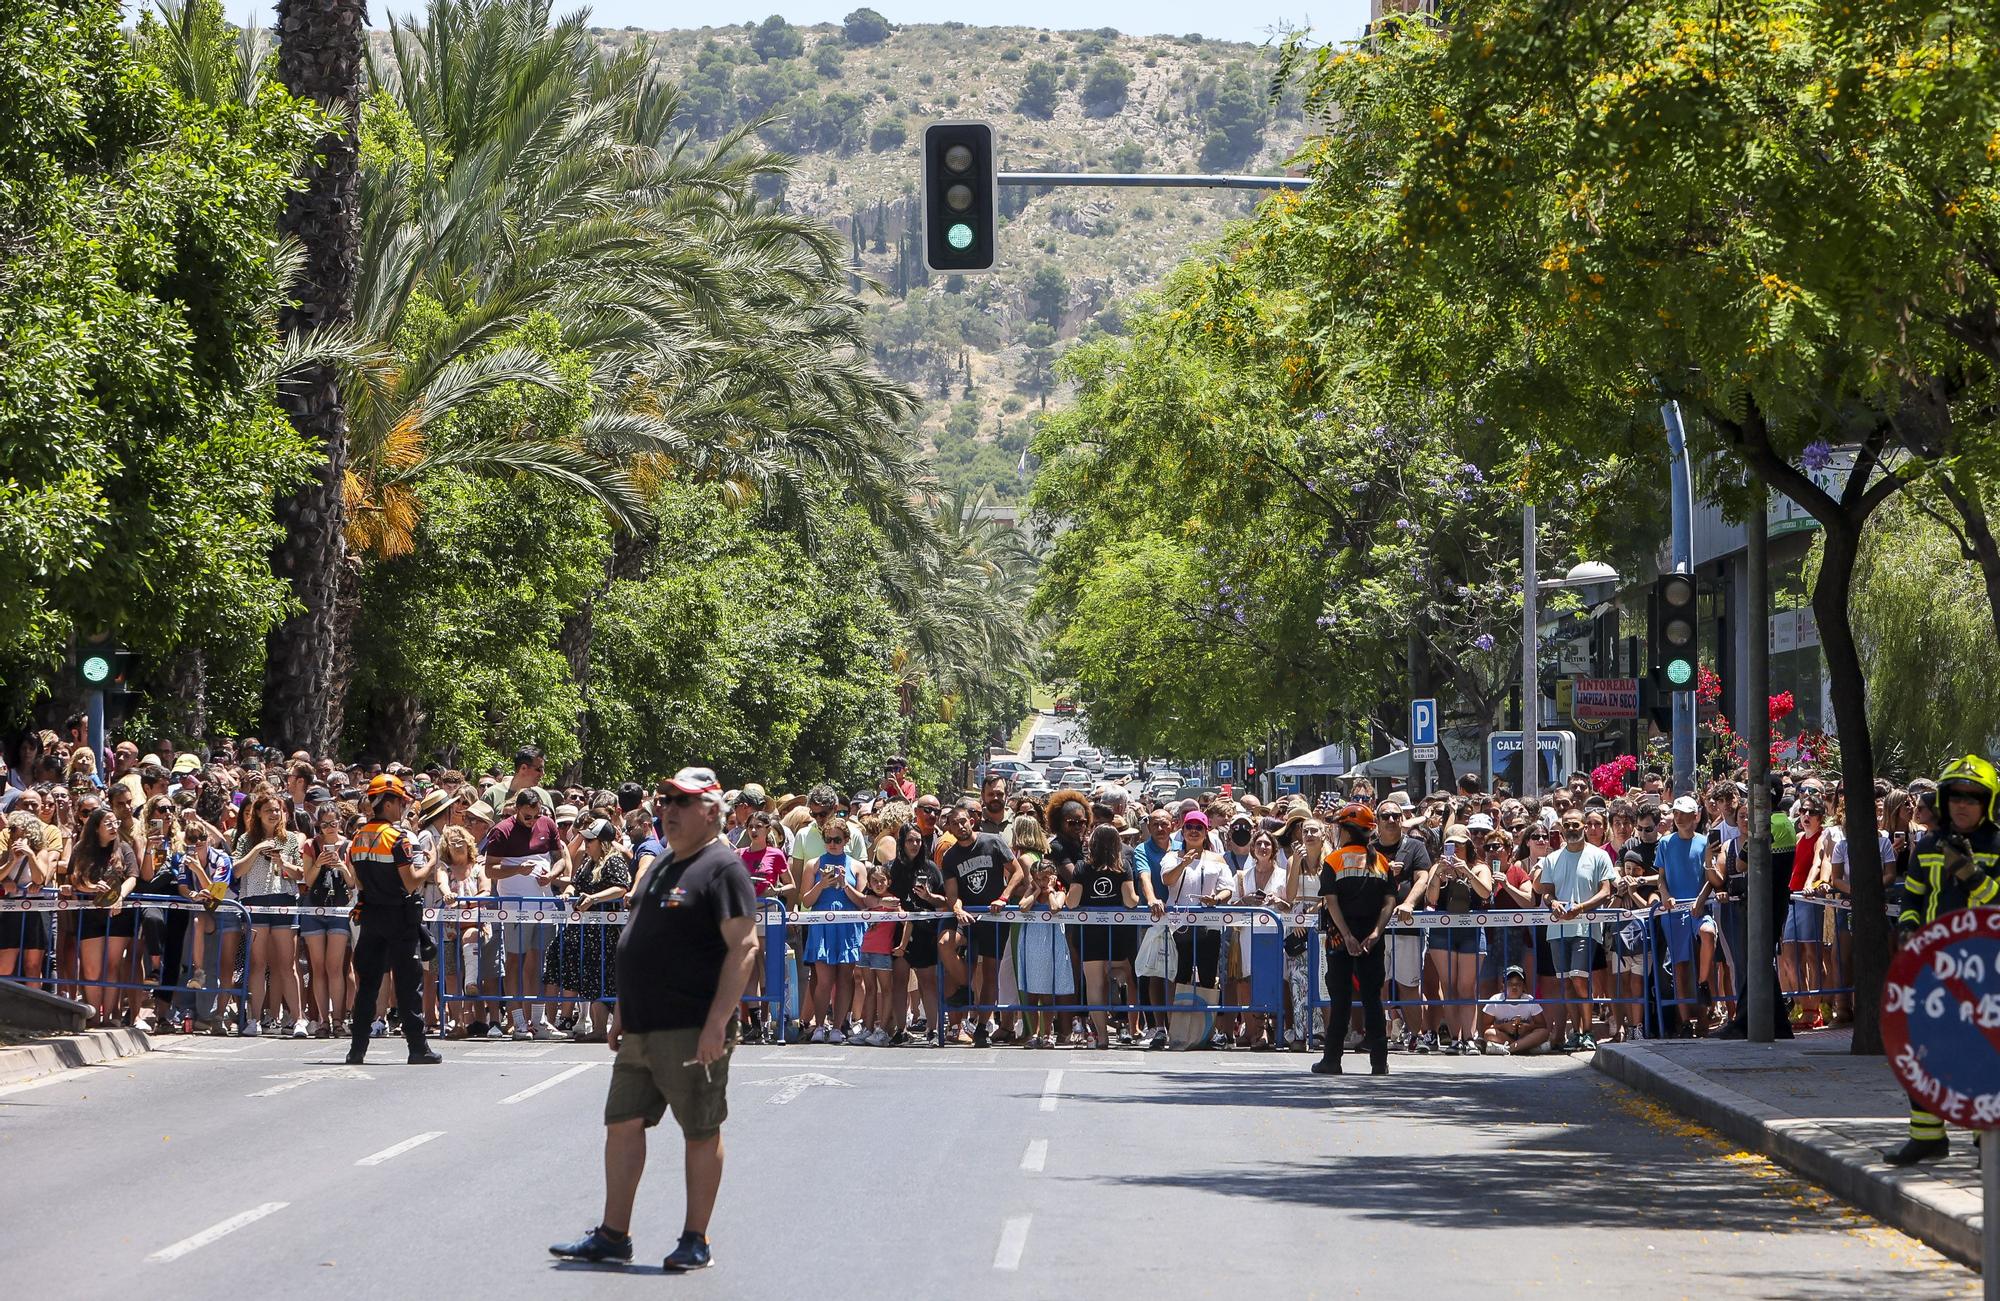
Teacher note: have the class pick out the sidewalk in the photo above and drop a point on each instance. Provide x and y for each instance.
(1821, 1113)
(31, 1058)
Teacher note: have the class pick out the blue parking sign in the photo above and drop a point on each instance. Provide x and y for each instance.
(1424, 722)
(1225, 769)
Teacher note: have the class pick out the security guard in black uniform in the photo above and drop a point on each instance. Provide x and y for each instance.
(1955, 865)
(1356, 899)
(391, 918)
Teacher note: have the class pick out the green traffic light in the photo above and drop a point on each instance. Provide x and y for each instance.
(96, 669)
(1679, 672)
(958, 235)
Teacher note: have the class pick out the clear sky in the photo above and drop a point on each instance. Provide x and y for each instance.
(1330, 19)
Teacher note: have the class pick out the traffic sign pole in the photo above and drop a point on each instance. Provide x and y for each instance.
(1989, 1256)
(94, 707)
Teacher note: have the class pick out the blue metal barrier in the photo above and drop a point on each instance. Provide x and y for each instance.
(1267, 928)
(134, 962)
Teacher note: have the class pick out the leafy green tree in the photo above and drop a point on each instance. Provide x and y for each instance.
(889, 133)
(1047, 294)
(1234, 121)
(865, 27)
(1039, 88)
(776, 39)
(1104, 89)
(828, 60)
(140, 280)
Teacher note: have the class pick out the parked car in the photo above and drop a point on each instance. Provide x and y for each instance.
(1077, 777)
(1045, 746)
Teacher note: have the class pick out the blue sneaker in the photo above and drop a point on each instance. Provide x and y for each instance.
(691, 1254)
(597, 1246)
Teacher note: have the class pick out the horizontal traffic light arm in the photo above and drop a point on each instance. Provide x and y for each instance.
(1157, 180)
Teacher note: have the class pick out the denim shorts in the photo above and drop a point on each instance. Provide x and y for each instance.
(311, 925)
(877, 961)
(1573, 955)
(1802, 923)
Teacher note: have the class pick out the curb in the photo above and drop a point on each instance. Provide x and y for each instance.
(1945, 1217)
(30, 1061)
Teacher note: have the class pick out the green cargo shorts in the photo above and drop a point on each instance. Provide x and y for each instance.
(651, 1074)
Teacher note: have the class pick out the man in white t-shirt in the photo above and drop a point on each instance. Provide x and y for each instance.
(1513, 1022)
(1575, 880)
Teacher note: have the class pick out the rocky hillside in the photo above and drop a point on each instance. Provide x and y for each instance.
(850, 102)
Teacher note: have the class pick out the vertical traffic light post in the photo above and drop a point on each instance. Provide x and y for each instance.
(100, 670)
(1676, 666)
(1681, 512)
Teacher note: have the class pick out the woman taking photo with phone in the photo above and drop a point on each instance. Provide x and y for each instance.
(329, 884)
(1456, 885)
(270, 861)
(105, 868)
(1261, 884)
(833, 948)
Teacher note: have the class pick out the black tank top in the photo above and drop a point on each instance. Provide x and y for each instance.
(1102, 888)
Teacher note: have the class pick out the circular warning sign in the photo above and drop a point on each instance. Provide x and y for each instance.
(1941, 1017)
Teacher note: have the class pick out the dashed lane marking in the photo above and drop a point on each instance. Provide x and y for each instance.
(215, 1231)
(391, 1153)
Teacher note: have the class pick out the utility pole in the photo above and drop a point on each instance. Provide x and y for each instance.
(1531, 688)
(1760, 1010)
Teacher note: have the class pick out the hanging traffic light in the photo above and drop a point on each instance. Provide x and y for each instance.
(1673, 631)
(961, 207)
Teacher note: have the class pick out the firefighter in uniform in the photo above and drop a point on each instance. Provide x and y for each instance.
(1955, 865)
(391, 920)
(1356, 900)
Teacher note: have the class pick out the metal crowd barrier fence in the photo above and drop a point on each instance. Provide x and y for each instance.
(1265, 967)
(63, 968)
(1515, 920)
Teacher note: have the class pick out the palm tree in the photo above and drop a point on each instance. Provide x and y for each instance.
(319, 58)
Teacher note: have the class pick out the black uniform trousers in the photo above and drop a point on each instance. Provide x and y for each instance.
(1343, 972)
(388, 943)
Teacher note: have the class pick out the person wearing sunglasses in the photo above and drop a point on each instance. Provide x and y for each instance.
(1409, 861)
(1575, 880)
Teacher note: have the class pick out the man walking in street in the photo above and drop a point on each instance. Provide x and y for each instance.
(683, 962)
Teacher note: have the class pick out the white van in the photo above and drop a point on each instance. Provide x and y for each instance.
(1047, 745)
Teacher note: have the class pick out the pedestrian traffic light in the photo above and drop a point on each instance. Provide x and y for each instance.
(961, 207)
(101, 665)
(1673, 631)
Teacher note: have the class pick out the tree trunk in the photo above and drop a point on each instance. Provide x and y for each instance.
(396, 730)
(320, 45)
(1967, 500)
(1857, 774)
(181, 703)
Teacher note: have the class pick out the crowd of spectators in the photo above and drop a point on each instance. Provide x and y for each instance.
(237, 823)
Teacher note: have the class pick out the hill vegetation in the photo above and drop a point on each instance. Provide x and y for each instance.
(850, 101)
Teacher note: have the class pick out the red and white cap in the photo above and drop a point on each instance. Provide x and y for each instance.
(695, 781)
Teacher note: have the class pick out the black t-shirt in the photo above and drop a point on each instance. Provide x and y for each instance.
(1407, 860)
(980, 868)
(1102, 888)
(1646, 849)
(904, 876)
(671, 952)
(1066, 856)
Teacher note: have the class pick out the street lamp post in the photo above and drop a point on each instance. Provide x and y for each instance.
(1589, 573)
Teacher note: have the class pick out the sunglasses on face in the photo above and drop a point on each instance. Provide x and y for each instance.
(1574, 828)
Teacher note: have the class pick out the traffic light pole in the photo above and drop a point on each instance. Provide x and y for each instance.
(1157, 180)
(1681, 509)
(1759, 1014)
(94, 711)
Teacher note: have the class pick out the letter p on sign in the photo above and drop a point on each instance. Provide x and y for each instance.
(1423, 722)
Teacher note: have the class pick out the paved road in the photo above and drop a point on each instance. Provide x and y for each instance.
(869, 1173)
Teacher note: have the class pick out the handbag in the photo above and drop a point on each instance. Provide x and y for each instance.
(1155, 956)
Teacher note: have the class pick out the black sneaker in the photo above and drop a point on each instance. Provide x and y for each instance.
(428, 1057)
(980, 1039)
(477, 1030)
(1326, 1066)
(356, 1057)
(597, 1246)
(691, 1254)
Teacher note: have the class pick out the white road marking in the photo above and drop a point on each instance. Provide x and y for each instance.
(214, 1231)
(299, 1079)
(791, 1086)
(390, 1153)
(1036, 1156)
(1051, 1090)
(1013, 1241)
(546, 1085)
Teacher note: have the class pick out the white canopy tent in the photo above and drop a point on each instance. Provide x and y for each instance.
(1327, 761)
